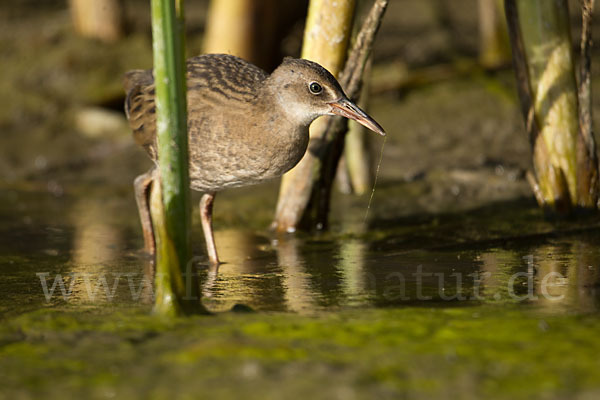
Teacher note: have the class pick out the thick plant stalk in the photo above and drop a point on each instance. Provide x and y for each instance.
(358, 159)
(325, 149)
(244, 28)
(540, 37)
(174, 285)
(356, 150)
(331, 147)
(587, 166)
(326, 36)
(171, 217)
(494, 47)
(98, 19)
(230, 28)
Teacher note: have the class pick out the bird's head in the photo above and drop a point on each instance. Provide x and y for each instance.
(305, 91)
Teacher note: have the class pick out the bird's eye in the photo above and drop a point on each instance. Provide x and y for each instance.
(315, 88)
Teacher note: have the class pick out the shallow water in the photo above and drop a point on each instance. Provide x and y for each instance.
(455, 287)
(82, 248)
(494, 302)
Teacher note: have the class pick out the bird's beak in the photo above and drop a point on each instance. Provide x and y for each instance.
(348, 109)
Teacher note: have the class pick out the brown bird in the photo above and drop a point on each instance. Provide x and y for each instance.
(244, 126)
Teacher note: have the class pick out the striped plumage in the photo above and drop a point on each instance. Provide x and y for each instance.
(244, 126)
(230, 142)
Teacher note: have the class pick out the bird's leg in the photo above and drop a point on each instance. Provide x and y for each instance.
(142, 185)
(206, 206)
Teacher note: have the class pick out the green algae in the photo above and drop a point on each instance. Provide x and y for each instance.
(413, 352)
(451, 198)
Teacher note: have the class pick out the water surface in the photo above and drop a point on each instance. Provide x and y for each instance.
(84, 248)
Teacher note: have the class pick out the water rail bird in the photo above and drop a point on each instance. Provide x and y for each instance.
(244, 125)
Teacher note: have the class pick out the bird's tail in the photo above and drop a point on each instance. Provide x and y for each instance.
(133, 81)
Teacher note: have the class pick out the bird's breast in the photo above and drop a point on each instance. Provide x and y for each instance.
(231, 149)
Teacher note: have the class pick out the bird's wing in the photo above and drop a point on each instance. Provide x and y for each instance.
(222, 79)
(213, 80)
